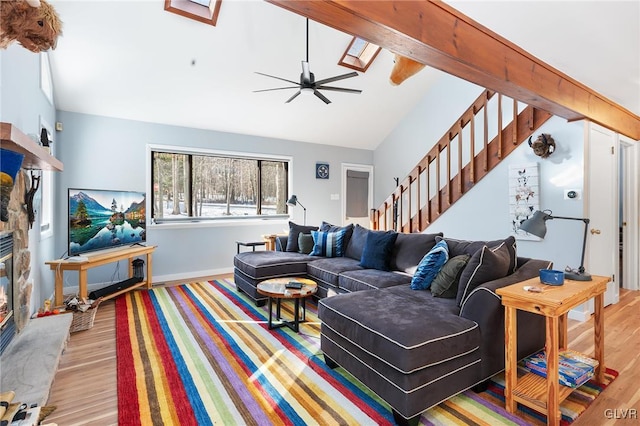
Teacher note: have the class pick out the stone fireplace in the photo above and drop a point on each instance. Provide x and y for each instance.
(15, 267)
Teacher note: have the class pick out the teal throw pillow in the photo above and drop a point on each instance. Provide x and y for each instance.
(429, 266)
(378, 246)
(305, 243)
(328, 244)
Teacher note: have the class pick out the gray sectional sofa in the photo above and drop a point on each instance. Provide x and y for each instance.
(411, 348)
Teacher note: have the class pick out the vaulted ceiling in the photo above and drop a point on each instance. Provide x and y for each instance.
(131, 59)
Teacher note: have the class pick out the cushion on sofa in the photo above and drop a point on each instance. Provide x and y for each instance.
(410, 249)
(367, 279)
(356, 242)
(377, 250)
(328, 244)
(445, 284)
(267, 264)
(305, 243)
(328, 270)
(294, 231)
(485, 265)
(327, 227)
(393, 328)
(429, 266)
(457, 247)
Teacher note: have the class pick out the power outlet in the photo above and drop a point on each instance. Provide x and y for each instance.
(572, 194)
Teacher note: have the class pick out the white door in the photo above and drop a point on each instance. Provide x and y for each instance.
(601, 187)
(630, 207)
(357, 194)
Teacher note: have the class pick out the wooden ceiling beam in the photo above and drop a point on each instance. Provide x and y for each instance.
(441, 37)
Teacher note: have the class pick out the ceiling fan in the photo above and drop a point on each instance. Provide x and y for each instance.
(308, 84)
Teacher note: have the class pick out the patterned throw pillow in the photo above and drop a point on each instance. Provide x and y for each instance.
(378, 246)
(328, 244)
(430, 265)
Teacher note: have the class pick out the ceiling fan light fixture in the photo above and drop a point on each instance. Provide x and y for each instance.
(307, 90)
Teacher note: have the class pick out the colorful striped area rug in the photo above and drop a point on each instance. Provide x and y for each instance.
(201, 354)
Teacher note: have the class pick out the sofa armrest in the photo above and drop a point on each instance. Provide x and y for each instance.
(484, 307)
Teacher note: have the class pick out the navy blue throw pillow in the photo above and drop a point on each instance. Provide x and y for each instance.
(377, 250)
(430, 265)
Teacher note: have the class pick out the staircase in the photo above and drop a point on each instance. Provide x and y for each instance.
(466, 153)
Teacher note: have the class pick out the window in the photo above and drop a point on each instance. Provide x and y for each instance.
(189, 185)
(46, 193)
(205, 11)
(359, 55)
(46, 83)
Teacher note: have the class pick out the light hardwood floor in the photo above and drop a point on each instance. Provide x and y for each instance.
(84, 389)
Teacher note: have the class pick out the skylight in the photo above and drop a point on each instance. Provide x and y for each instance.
(359, 54)
(205, 11)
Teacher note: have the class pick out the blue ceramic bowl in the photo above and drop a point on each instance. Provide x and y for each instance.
(551, 277)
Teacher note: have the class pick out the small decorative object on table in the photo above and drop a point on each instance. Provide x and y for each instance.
(551, 277)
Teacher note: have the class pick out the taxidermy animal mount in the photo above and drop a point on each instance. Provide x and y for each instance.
(32, 23)
(403, 69)
(543, 146)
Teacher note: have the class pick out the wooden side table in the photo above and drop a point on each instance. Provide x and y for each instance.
(554, 302)
(275, 289)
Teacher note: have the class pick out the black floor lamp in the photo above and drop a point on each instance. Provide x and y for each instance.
(293, 201)
(536, 225)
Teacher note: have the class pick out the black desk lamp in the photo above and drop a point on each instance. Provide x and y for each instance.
(536, 225)
(293, 201)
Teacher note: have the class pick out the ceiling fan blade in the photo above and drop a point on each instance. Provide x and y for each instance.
(321, 96)
(336, 78)
(306, 73)
(278, 78)
(277, 88)
(338, 89)
(295, 95)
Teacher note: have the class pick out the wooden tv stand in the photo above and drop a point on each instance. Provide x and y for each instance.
(99, 259)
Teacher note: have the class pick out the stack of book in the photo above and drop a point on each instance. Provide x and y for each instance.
(574, 368)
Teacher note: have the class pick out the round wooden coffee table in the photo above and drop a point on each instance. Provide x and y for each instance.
(276, 289)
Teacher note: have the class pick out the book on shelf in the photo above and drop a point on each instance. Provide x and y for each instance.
(574, 368)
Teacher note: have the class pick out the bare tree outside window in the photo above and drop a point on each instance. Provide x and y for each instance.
(209, 186)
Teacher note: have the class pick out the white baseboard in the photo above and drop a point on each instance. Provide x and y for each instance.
(186, 277)
(579, 315)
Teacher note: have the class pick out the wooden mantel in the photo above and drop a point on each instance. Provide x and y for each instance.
(35, 156)
(435, 34)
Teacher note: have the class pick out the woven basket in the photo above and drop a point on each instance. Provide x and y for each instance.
(83, 320)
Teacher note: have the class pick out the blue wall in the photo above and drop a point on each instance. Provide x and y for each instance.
(23, 104)
(109, 153)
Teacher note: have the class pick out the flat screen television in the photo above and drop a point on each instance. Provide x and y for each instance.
(101, 219)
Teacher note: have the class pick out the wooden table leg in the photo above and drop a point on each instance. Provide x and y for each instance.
(149, 271)
(598, 328)
(563, 326)
(82, 283)
(58, 296)
(511, 357)
(553, 385)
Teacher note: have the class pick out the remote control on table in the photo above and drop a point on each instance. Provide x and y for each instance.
(293, 284)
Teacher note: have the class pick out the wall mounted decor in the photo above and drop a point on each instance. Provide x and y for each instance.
(322, 171)
(543, 146)
(524, 197)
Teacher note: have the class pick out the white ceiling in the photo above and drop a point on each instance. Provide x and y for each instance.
(131, 59)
